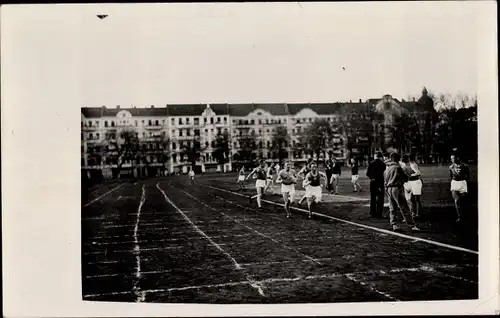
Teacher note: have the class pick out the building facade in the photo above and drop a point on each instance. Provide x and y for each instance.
(176, 138)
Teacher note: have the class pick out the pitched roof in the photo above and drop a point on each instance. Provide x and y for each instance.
(95, 112)
(220, 109)
(185, 109)
(240, 110)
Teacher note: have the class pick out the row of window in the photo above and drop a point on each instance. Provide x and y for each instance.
(196, 120)
(196, 132)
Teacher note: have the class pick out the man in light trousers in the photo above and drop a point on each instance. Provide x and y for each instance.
(394, 179)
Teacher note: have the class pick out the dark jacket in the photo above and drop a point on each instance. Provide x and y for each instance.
(376, 170)
(394, 175)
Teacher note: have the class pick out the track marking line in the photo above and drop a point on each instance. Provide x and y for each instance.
(266, 281)
(105, 194)
(254, 230)
(129, 225)
(369, 286)
(431, 242)
(140, 296)
(250, 280)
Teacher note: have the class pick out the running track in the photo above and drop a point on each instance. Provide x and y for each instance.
(163, 241)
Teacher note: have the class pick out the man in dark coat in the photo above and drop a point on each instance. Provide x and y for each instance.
(375, 173)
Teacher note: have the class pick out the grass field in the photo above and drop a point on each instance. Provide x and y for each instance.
(162, 240)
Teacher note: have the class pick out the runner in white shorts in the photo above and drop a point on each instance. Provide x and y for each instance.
(191, 176)
(314, 188)
(260, 174)
(287, 177)
(413, 187)
(459, 174)
(303, 173)
(241, 179)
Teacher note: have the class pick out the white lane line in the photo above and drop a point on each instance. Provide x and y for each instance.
(448, 246)
(265, 281)
(132, 250)
(128, 225)
(250, 280)
(140, 296)
(369, 286)
(104, 262)
(254, 230)
(431, 269)
(105, 194)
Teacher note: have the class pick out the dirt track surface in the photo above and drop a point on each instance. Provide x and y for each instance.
(164, 240)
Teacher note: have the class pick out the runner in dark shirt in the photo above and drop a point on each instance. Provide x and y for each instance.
(355, 175)
(334, 180)
(459, 175)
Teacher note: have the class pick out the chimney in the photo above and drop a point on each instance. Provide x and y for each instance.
(117, 106)
(360, 100)
(350, 101)
(413, 98)
(152, 106)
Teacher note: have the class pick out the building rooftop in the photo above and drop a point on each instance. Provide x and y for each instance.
(241, 110)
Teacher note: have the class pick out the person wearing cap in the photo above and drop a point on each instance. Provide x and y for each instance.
(394, 180)
(459, 175)
(375, 173)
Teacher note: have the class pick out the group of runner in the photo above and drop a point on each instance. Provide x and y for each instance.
(309, 174)
(312, 178)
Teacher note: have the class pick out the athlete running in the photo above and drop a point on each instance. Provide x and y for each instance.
(334, 180)
(241, 179)
(314, 188)
(459, 175)
(269, 178)
(191, 176)
(258, 173)
(303, 173)
(287, 177)
(355, 175)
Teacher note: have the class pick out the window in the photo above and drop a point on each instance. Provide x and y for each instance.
(196, 132)
(260, 131)
(174, 157)
(196, 121)
(91, 136)
(205, 120)
(105, 123)
(218, 120)
(235, 145)
(212, 144)
(97, 136)
(206, 143)
(212, 131)
(234, 122)
(157, 123)
(96, 123)
(240, 122)
(173, 121)
(267, 130)
(211, 120)
(180, 121)
(225, 120)
(225, 130)
(259, 113)
(260, 122)
(206, 131)
(112, 124)
(218, 131)
(89, 123)
(310, 120)
(163, 122)
(187, 121)
(180, 132)
(149, 123)
(268, 144)
(252, 122)
(267, 121)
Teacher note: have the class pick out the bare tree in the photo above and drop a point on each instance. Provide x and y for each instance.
(122, 148)
(222, 149)
(280, 142)
(317, 137)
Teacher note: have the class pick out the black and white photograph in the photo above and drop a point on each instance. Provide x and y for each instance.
(268, 153)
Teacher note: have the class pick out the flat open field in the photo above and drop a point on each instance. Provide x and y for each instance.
(163, 240)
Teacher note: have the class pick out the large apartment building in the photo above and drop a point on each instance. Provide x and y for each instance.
(164, 133)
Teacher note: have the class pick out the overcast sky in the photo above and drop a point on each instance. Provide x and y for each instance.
(249, 52)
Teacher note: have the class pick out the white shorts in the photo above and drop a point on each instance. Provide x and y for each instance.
(303, 185)
(414, 187)
(287, 188)
(241, 178)
(260, 183)
(314, 191)
(354, 178)
(460, 186)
